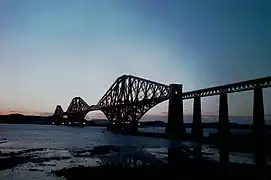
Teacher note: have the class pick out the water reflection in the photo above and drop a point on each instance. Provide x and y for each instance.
(198, 151)
(128, 156)
(260, 154)
(224, 154)
(176, 155)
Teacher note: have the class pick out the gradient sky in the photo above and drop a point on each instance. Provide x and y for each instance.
(53, 50)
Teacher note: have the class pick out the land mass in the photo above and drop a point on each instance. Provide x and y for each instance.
(48, 120)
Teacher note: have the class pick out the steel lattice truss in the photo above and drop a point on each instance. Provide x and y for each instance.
(230, 88)
(130, 97)
(77, 105)
(58, 111)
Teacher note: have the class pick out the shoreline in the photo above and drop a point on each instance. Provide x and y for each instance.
(48, 120)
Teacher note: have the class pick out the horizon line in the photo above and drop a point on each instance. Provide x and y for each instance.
(44, 114)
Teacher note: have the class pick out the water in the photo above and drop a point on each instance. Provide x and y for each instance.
(59, 144)
(48, 136)
(206, 131)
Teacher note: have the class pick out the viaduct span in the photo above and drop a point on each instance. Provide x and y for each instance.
(130, 97)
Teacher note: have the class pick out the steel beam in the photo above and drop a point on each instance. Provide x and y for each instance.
(197, 129)
(175, 126)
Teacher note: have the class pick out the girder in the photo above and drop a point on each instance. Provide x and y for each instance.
(130, 97)
(77, 105)
(130, 112)
(129, 89)
(58, 111)
(230, 88)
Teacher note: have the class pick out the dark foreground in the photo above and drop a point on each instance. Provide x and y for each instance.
(133, 163)
(188, 170)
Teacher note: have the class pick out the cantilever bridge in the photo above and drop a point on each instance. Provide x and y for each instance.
(130, 97)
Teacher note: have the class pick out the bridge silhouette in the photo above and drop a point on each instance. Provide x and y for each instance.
(130, 97)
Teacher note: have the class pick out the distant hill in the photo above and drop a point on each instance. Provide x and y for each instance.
(27, 119)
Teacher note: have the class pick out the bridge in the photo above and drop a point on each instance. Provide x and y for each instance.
(130, 97)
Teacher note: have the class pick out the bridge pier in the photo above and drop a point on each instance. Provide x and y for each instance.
(175, 126)
(76, 119)
(259, 131)
(123, 127)
(223, 128)
(130, 127)
(57, 120)
(114, 126)
(258, 114)
(197, 129)
(223, 124)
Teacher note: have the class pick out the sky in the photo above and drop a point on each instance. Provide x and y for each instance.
(54, 50)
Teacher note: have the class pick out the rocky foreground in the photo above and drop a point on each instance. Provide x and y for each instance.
(122, 163)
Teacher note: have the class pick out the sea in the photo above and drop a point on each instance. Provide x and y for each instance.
(56, 147)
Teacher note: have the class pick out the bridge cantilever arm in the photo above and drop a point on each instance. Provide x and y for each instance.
(123, 78)
(109, 90)
(149, 81)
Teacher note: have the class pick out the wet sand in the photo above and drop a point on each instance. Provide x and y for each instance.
(123, 162)
(189, 169)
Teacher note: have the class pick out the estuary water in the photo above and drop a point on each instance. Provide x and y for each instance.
(62, 146)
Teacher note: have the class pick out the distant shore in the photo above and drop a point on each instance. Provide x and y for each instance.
(48, 120)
